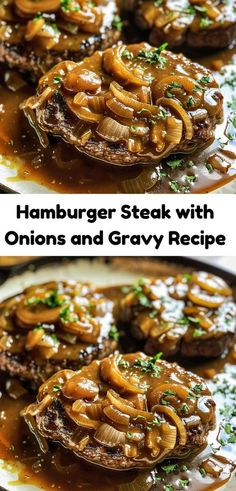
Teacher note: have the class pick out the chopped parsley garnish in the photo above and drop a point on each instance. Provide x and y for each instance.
(67, 5)
(169, 392)
(175, 85)
(114, 333)
(138, 290)
(202, 471)
(169, 468)
(127, 54)
(38, 327)
(190, 178)
(190, 101)
(188, 277)
(67, 316)
(209, 168)
(204, 80)
(198, 331)
(147, 366)
(123, 363)
(205, 22)
(129, 434)
(197, 388)
(153, 57)
(51, 300)
(175, 186)
(184, 482)
(57, 80)
(56, 388)
(175, 163)
(117, 23)
(186, 320)
(184, 408)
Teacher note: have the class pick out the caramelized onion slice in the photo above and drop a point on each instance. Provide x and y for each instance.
(169, 435)
(159, 88)
(84, 113)
(108, 436)
(33, 338)
(111, 373)
(178, 390)
(174, 130)
(78, 387)
(56, 74)
(33, 28)
(175, 105)
(126, 408)
(201, 297)
(27, 317)
(29, 7)
(94, 410)
(114, 64)
(81, 419)
(170, 413)
(211, 283)
(111, 130)
(116, 416)
(58, 380)
(119, 109)
(125, 97)
(82, 80)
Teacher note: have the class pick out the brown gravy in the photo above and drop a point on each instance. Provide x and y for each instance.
(61, 169)
(59, 470)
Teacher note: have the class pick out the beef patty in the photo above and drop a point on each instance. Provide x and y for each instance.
(188, 24)
(194, 315)
(124, 412)
(71, 29)
(128, 105)
(53, 326)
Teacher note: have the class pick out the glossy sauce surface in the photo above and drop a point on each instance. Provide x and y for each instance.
(58, 470)
(53, 26)
(181, 21)
(61, 169)
(131, 104)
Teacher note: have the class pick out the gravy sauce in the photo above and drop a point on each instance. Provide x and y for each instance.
(59, 470)
(61, 169)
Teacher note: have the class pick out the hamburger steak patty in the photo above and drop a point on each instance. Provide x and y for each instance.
(125, 411)
(194, 315)
(192, 24)
(128, 105)
(53, 326)
(35, 42)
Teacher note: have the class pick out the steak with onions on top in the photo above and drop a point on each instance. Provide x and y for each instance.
(34, 36)
(53, 326)
(194, 24)
(128, 105)
(124, 412)
(194, 315)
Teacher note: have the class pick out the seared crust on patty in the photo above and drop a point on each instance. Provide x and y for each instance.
(193, 25)
(108, 112)
(180, 315)
(28, 56)
(85, 413)
(53, 326)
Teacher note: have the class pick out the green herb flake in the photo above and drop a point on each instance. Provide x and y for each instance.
(56, 388)
(117, 23)
(149, 365)
(114, 333)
